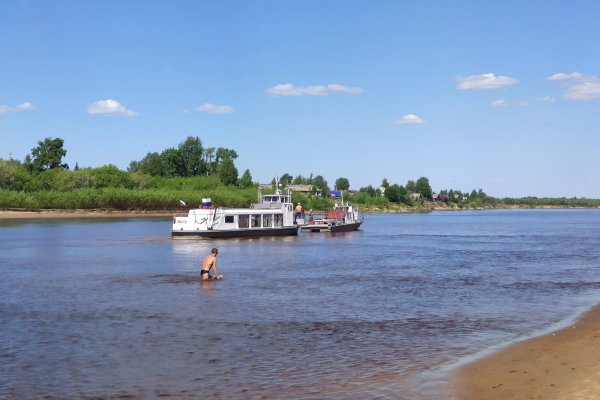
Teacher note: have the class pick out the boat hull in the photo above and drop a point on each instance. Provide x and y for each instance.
(331, 228)
(235, 233)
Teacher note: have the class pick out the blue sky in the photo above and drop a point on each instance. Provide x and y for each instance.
(499, 96)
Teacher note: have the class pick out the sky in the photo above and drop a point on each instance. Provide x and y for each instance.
(498, 96)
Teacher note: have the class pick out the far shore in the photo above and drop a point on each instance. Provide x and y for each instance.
(563, 365)
(15, 213)
(47, 213)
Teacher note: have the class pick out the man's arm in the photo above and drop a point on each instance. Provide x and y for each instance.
(215, 267)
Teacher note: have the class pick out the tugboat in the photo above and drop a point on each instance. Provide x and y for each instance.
(272, 215)
(343, 218)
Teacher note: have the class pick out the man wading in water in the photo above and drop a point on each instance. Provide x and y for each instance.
(210, 262)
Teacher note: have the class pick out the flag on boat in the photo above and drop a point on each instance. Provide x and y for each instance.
(182, 203)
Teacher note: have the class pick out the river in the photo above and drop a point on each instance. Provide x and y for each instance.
(110, 308)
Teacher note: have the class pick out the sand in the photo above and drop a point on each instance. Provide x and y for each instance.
(563, 365)
(19, 214)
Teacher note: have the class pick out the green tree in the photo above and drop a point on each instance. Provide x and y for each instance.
(209, 156)
(12, 175)
(396, 194)
(221, 154)
(369, 189)
(246, 180)
(319, 183)
(151, 164)
(48, 154)
(422, 186)
(172, 163)
(411, 187)
(300, 180)
(109, 176)
(286, 179)
(228, 173)
(342, 184)
(384, 183)
(192, 156)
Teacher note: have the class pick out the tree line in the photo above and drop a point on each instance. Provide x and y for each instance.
(41, 169)
(159, 180)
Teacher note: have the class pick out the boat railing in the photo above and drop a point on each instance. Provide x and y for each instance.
(266, 206)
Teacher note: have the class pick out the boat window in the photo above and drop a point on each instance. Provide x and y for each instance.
(278, 219)
(255, 221)
(267, 219)
(243, 221)
(229, 219)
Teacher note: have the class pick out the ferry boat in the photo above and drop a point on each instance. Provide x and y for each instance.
(272, 215)
(343, 218)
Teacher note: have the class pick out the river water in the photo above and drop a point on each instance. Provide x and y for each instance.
(97, 308)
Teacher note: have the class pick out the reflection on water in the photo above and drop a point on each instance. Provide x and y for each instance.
(115, 308)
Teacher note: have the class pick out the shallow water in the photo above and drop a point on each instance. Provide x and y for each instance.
(112, 308)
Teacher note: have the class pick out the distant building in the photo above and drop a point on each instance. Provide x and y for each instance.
(306, 189)
(415, 196)
(335, 194)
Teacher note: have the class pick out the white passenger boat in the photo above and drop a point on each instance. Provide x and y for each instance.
(343, 218)
(272, 216)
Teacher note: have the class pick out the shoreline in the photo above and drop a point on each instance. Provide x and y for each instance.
(15, 213)
(80, 213)
(561, 365)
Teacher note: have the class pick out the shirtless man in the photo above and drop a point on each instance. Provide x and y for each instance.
(299, 211)
(210, 262)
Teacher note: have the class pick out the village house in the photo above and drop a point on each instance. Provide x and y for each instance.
(415, 196)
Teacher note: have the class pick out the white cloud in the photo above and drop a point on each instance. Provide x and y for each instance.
(523, 103)
(110, 107)
(589, 89)
(288, 89)
(25, 106)
(410, 119)
(499, 103)
(546, 99)
(334, 87)
(485, 81)
(214, 109)
(578, 86)
(562, 76)
(21, 107)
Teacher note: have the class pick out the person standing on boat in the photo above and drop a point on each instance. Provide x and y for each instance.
(210, 262)
(299, 212)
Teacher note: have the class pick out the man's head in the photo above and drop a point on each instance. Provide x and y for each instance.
(215, 251)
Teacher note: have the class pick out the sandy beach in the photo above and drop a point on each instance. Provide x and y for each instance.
(563, 365)
(20, 214)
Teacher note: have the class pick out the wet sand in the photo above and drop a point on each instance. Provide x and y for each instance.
(19, 214)
(564, 365)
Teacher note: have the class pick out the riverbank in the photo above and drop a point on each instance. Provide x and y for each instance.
(562, 365)
(15, 213)
(429, 207)
(25, 214)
